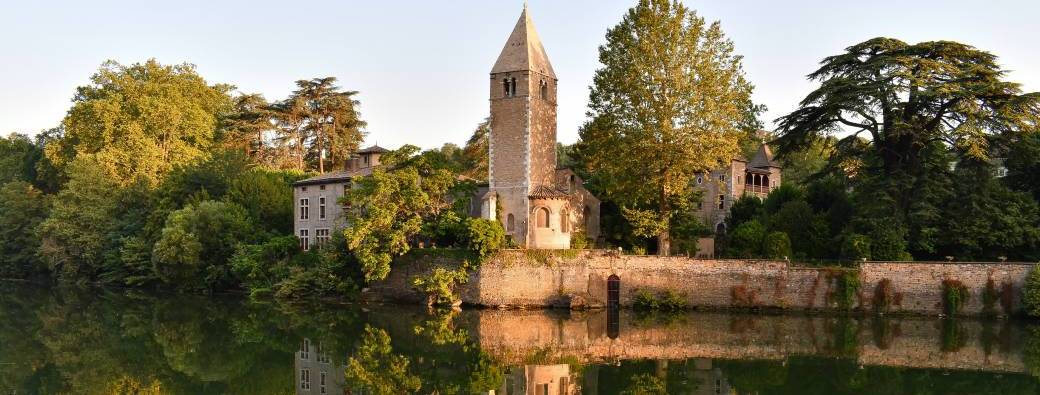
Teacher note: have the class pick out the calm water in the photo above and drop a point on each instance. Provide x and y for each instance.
(62, 341)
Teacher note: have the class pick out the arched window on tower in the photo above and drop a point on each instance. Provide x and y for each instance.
(542, 217)
(565, 221)
(512, 87)
(510, 223)
(505, 87)
(544, 88)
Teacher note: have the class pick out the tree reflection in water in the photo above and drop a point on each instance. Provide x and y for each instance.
(91, 341)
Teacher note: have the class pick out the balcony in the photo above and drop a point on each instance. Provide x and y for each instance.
(757, 190)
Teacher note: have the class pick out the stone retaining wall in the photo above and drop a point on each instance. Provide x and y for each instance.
(527, 278)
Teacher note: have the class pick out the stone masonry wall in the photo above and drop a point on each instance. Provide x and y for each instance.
(530, 278)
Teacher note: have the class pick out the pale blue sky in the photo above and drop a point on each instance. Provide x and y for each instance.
(422, 67)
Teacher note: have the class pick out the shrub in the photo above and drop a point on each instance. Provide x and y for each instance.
(990, 296)
(1031, 294)
(955, 294)
(439, 285)
(777, 246)
(579, 241)
(197, 242)
(644, 300)
(746, 239)
(846, 289)
(669, 300)
(484, 237)
(855, 247)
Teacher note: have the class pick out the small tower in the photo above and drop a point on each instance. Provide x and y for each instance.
(522, 145)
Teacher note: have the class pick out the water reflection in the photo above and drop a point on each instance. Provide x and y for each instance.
(61, 341)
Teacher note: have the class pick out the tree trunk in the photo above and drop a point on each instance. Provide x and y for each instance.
(664, 239)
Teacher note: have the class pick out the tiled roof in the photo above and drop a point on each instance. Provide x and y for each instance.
(327, 178)
(375, 149)
(548, 192)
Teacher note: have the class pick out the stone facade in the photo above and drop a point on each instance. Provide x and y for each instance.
(523, 179)
(518, 278)
(317, 211)
(755, 176)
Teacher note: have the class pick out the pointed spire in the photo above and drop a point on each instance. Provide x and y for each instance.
(523, 50)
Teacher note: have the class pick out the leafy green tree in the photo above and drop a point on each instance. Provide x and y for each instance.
(855, 247)
(142, 119)
(747, 208)
(247, 126)
(22, 209)
(746, 239)
(389, 208)
(671, 96)
(985, 220)
(197, 242)
(484, 237)
(267, 196)
(334, 125)
(1023, 165)
(807, 231)
(475, 153)
(906, 98)
(776, 246)
(291, 136)
(1031, 294)
(75, 236)
(375, 367)
(16, 158)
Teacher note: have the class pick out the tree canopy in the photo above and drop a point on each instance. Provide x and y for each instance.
(671, 97)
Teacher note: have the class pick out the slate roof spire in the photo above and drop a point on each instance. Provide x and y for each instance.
(523, 51)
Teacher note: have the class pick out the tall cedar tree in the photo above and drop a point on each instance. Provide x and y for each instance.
(247, 126)
(669, 102)
(907, 98)
(333, 123)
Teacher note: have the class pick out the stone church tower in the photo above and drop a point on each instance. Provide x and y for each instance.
(534, 198)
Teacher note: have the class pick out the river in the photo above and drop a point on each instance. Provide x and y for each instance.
(56, 341)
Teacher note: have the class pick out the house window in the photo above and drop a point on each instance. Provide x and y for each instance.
(305, 240)
(565, 382)
(700, 180)
(305, 379)
(722, 177)
(510, 223)
(543, 389)
(323, 356)
(305, 209)
(542, 217)
(304, 189)
(321, 187)
(1001, 171)
(321, 208)
(365, 159)
(722, 202)
(305, 349)
(321, 237)
(565, 221)
(321, 383)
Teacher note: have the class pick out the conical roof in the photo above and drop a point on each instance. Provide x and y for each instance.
(763, 158)
(523, 50)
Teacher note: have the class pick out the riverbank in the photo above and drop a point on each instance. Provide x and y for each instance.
(594, 278)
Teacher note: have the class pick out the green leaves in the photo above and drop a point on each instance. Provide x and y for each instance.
(671, 97)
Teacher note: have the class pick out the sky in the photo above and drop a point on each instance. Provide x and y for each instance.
(421, 67)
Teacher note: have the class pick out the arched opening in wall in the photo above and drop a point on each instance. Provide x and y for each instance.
(510, 223)
(565, 221)
(505, 87)
(542, 217)
(613, 306)
(544, 88)
(512, 87)
(720, 229)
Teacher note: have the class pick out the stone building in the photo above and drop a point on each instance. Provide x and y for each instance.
(539, 205)
(317, 211)
(316, 373)
(722, 187)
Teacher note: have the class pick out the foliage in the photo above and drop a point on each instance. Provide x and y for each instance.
(267, 196)
(671, 96)
(332, 121)
(746, 240)
(747, 208)
(375, 367)
(1023, 165)
(1031, 293)
(197, 242)
(475, 153)
(855, 247)
(776, 246)
(645, 384)
(22, 209)
(668, 300)
(439, 285)
(579, 240)
(74, 237)
(484, 237)
(846, 288)
(955, 295)
(884, 296)
(389, 208)
(141, 120)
